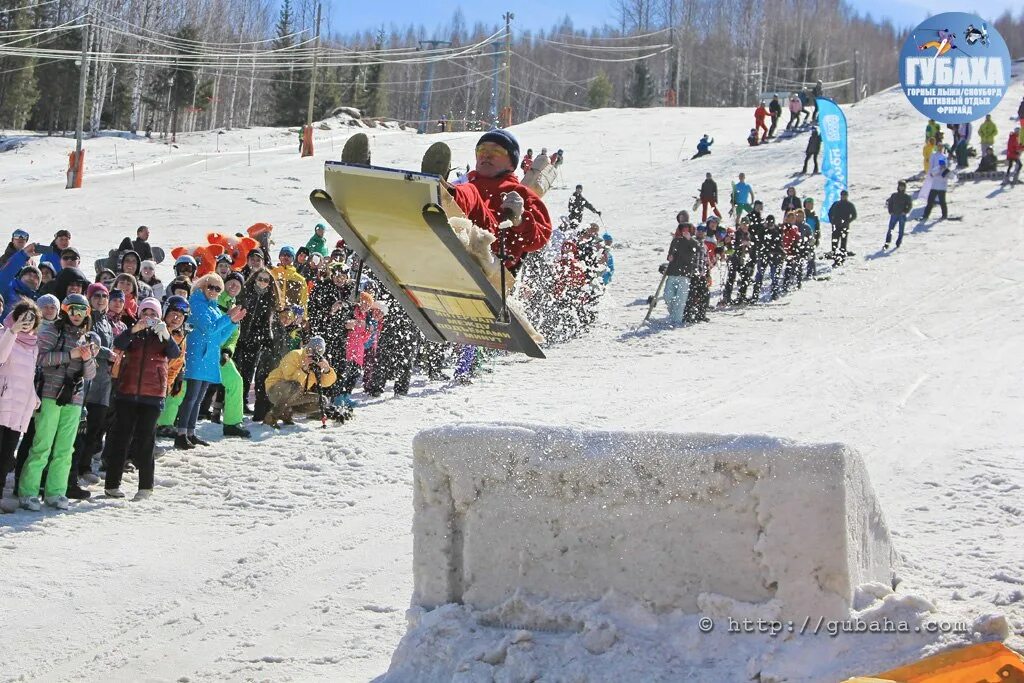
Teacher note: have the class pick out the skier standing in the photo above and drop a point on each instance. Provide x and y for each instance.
(841, 215)
(775, 111)
(937, 195)
(813, 148)
(794, 111)
(576, 205)
(899, 204)
(709, 195)
(1013, 150)
(742, 195)
(683, 253)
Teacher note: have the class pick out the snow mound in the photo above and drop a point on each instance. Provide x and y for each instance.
(664, 519)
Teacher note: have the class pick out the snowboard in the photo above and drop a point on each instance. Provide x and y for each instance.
(541, 175)
(395, 222)
(652, 301)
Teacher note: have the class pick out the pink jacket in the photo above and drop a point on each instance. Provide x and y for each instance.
(355, 343)
(18, 398)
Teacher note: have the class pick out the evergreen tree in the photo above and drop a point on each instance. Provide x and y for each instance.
(18, 90)
(640, 92)
(374, 99)
(289, 92)
(600, 92)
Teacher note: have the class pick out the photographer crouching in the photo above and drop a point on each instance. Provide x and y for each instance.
(297, 382)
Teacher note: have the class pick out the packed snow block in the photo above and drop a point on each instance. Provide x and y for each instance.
(671, 520)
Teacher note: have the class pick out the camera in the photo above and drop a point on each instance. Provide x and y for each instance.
(151, 322)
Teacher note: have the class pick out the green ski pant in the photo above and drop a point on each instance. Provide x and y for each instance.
(231, 380)
(56, 428)
(171, 405)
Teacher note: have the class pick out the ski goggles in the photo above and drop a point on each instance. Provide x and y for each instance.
(75, 309)
(179, 308)
(491, 149)
(19, 234)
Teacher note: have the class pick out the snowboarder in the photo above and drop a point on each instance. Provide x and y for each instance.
(794, 112)
(841, 215)
(899, 204)
(703, 147)
(775, 111)
(813, 148)
(709, 195)
(576, 205)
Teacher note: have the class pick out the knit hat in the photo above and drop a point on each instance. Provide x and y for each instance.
(505, 140)
(47, 300)
(152, 303)
(96, 288)
(148, 264)
(29, 269)
(234, 275)
(116, 294)
(287, 250)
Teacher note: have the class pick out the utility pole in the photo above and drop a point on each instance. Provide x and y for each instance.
(507, 118)
(307, 133)
(428, 84)
(856, 78)
(495, 121)
(77, 161)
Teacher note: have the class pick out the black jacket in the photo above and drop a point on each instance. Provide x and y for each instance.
(814, 143)
(775, 108)
(790, 203)
(899, 204)
(842, 213)
(709, 190)
(682, 256)
(58, 286)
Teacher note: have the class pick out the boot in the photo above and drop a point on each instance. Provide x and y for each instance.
(437, 160)
(76, 492)
(236, 430)
(286, 418)
(270, 419)
(114, 493)
(142, 494)
(57, 502)
(182, 443)
(196, 441)
(357, 150)
(215, 413)
(30, 503)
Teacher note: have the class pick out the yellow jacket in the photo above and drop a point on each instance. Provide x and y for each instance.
(292, 285)
(290, 370)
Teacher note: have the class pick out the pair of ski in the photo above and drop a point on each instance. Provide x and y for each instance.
(397, 222)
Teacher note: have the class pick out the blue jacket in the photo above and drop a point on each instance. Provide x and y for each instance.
(10, 286)
(704, 145)
(210, 329)
(609, 269)
(52, 256)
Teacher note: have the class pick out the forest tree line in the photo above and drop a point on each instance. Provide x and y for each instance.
(188, 65)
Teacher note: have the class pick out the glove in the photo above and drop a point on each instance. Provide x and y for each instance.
(663, 268)
(513, 205)
(160, 330)
(225, 356)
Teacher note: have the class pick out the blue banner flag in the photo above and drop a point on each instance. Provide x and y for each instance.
(832, 127)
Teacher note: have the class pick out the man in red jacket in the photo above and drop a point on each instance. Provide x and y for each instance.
(759, 116)
(492, 193)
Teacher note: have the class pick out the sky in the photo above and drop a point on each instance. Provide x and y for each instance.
(351, 17)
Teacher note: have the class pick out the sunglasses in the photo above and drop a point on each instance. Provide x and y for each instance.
(77, 309)
(213, 288)
(491, 149)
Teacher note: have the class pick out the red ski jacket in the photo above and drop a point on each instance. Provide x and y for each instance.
(1013, 147)
(480, 199)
